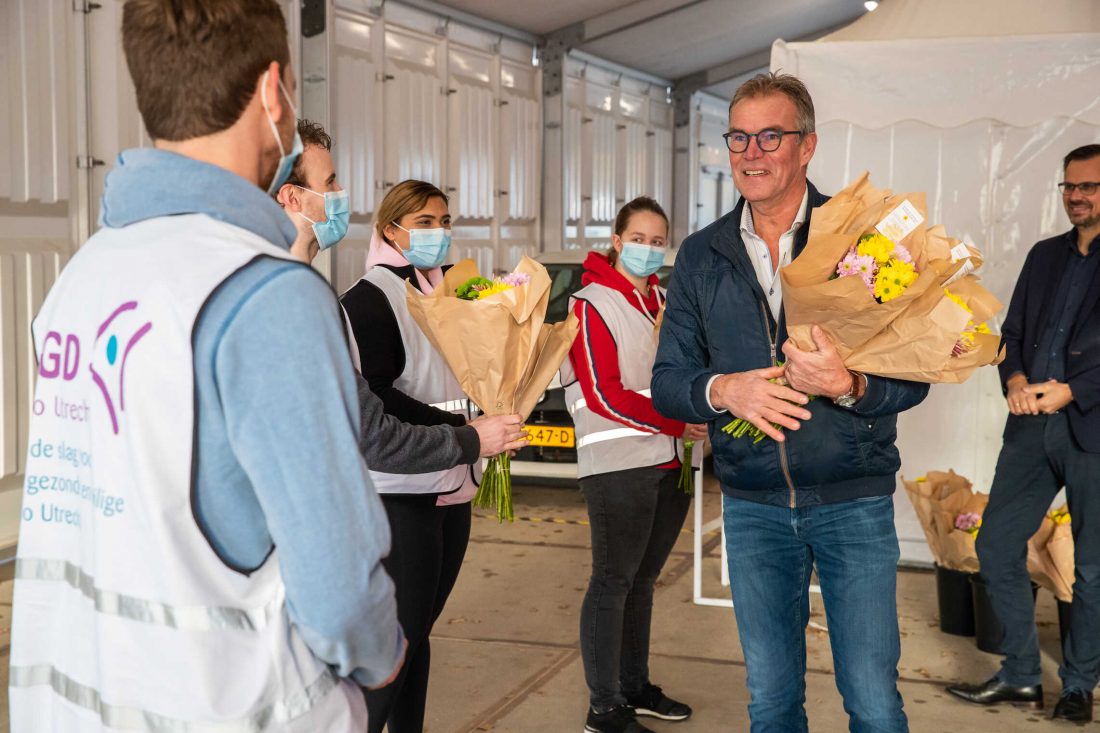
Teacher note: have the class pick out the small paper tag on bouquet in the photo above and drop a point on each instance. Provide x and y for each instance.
(961, 251)
(899, 222)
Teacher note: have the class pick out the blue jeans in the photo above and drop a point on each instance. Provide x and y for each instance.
(772, 550)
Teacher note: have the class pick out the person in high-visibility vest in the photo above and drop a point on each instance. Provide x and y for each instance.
(200, 546)
(628, 460)
(429, 513)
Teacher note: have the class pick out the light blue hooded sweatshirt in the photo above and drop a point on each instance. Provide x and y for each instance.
(276, 462)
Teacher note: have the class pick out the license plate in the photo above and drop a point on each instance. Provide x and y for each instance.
(551, 437)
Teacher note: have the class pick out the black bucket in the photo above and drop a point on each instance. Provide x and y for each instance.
(989, 632)
(956, 601)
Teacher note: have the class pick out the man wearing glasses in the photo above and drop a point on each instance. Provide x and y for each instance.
(1051, 379)
(818, 493)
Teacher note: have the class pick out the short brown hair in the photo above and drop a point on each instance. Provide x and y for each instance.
(312, 134)
(195, 63)
(405, 198)
(771, 82)
(622, 219)
(1085, 152)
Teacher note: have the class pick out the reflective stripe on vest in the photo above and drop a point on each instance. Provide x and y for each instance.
(615, 434)
(453, 406)
(186, 618)
(121, 717)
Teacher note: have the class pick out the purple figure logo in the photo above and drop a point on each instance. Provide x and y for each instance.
(114, 340)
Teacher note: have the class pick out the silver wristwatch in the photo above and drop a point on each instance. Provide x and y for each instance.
(849, 399)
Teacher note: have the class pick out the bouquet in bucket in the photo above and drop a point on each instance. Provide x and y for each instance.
(1050, 555)
(950, 513)
(492, 334)
(898, 299)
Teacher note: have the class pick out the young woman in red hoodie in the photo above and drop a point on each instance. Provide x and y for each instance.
(628, 459)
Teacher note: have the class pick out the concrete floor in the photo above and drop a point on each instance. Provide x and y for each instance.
(505, 654)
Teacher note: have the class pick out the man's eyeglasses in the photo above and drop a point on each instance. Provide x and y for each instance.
(766, 140)
(1087, 188)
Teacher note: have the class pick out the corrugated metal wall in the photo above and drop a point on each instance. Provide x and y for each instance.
(618, 145)
(37, 53)
(455, 107)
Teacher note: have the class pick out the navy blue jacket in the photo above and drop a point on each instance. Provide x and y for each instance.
(1030, 309)
(717, 321)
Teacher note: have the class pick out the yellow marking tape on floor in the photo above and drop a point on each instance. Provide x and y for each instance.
(552, 520)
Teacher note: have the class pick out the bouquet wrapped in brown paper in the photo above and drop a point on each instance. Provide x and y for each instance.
(496, 343)
(898, 299)
(949, 511)
(1050, 555)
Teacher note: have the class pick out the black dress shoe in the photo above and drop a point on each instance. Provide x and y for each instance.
(994, 691)
(1075, 705)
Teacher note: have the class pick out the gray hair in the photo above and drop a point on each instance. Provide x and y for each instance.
(771, 82)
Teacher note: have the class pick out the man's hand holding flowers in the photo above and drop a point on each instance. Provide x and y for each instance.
(821, 372)
(754, 397)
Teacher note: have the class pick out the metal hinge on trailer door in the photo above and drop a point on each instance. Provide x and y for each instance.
(85, 6)
(87, 162)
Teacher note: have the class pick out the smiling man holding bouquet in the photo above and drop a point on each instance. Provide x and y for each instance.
(818, 493)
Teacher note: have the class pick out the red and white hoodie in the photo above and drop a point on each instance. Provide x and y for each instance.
(613, 360)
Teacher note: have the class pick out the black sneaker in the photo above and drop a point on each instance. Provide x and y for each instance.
(654, 703)
(617, 720)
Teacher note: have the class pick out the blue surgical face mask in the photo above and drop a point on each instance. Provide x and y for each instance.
(287, 160)
(427, 247)
(337, 212)
(641, 260)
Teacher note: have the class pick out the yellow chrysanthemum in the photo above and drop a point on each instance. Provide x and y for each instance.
(892, 280)
(496, 287)
(957, 300)
(982, 328)
(876, 246)
(1060, 516)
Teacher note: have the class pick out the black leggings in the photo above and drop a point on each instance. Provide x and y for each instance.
(429, 543)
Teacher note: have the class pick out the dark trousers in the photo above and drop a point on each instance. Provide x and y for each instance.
(429, 543)
(1039, 457)
(636, 516)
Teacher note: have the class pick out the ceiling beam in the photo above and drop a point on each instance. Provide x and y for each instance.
(686, 86)
(632, 16)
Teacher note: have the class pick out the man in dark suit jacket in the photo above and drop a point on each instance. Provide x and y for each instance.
(1051, 378)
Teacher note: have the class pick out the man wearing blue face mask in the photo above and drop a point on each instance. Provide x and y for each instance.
(318, 206)
(312, 197)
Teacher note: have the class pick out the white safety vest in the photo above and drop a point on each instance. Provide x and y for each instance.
(606, 445)
(426, 378)
(124, 617)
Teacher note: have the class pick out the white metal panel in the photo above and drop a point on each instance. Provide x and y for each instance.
(354, 100)
(27, 270)
(574, 163)
(521, 147)
(660, 167)
(599, 151)
(35, 157)
(634, 151)
(472, 142)
(414, 114)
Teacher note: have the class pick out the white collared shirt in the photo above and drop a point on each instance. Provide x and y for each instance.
(766, 273)
(761, 257)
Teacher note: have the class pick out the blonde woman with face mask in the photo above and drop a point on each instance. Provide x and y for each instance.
(429, 513)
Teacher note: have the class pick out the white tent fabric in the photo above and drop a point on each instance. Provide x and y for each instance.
(979, 123)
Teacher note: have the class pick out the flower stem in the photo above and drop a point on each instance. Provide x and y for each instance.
(686, 482)
(495, 491)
